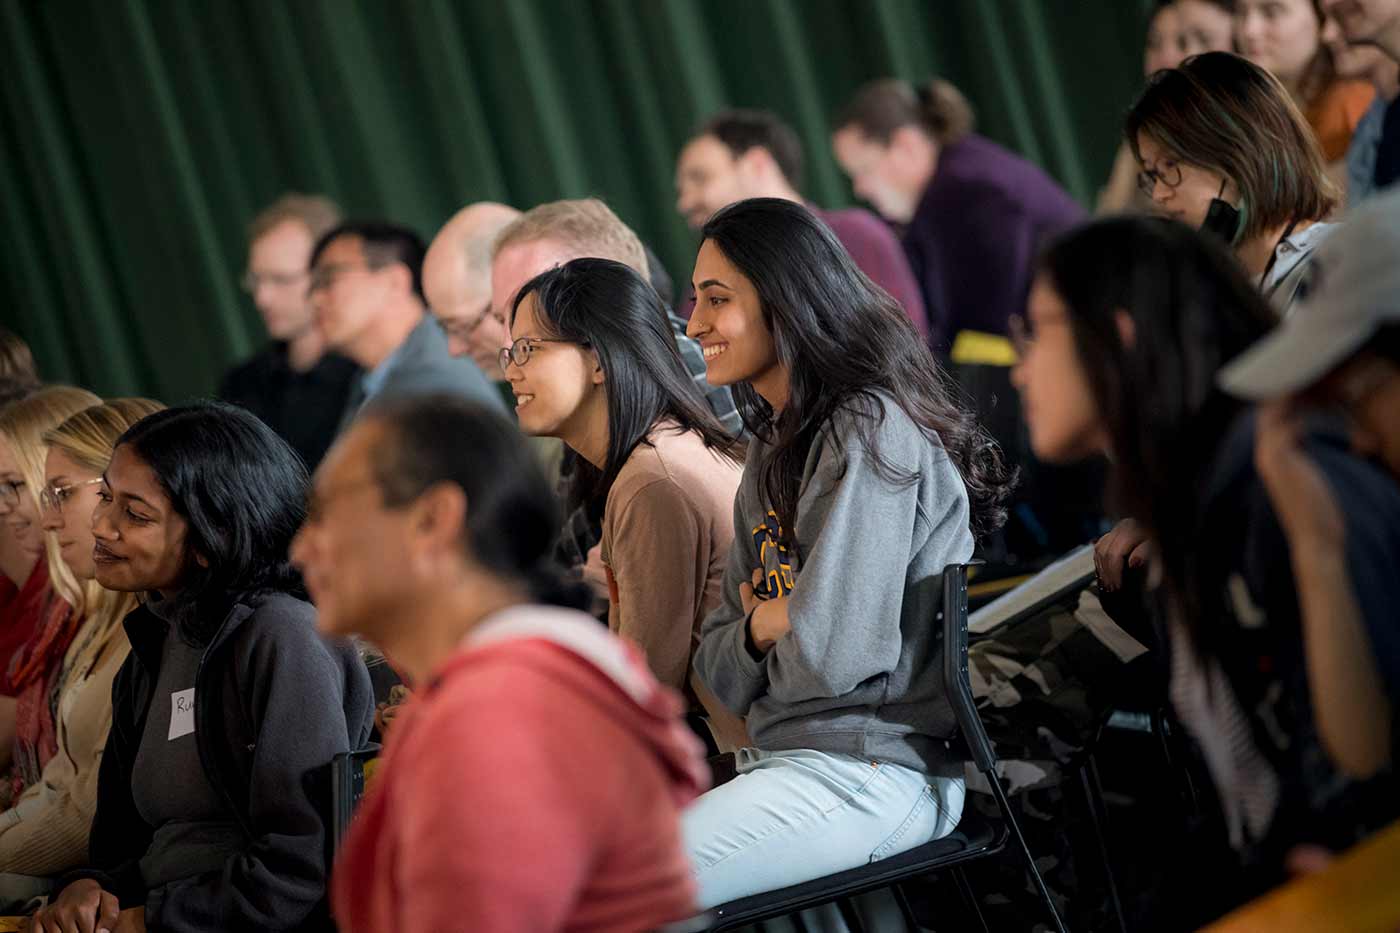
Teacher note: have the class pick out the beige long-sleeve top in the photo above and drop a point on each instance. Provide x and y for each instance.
(46, 831)
(667, 527)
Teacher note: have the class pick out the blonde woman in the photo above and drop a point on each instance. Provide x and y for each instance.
(33, 668)
(46, 831)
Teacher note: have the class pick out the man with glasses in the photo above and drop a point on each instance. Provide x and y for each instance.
(366, 289)
(457, 283)
(293, 385)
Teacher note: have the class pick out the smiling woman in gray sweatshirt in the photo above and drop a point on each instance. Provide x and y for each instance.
(864, 482)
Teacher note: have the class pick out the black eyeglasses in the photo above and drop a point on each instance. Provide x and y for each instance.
(251, 280)
(1168, 172)
(520, 351)
(9, 492)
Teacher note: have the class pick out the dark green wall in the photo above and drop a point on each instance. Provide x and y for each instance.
(138, 138)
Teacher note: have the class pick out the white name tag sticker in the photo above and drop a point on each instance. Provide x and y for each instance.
(181, 713)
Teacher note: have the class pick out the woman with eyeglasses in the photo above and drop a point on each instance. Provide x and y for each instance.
(1175, 29)
(593, 363)
(1130, 321)
(864, 482)
(229, 708)
(34, 665)
(46, 831)
(1223, 149)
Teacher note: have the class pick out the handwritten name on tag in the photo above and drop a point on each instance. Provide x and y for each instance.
(181, 713)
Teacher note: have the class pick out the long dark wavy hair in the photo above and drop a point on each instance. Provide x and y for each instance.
(241, 490)
(608, 307)
(843, 340)
(1192, 310)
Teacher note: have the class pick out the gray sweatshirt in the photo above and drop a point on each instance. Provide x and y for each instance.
(860, 673)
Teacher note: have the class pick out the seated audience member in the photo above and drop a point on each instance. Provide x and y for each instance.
(1177, 30)
(742, 154)
(1204, 26)
(1376, 164)
(550, 235)
(457, 284)
(367, 291)
(974, 214)
(863, 482)
(24, 578)
(16, 361)
(46, 831)
(1197, 130)
(593, 363)
(293, 384)
(1129, 323)
(1284, 37)
(1341, 350)
(37, 663)
(229, 702)
(536, 780)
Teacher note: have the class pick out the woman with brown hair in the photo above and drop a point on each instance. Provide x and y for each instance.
(1285, 37)
(1176, 30)
(1222, 148)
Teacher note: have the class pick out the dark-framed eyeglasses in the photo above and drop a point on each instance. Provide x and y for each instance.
(251, 280)
(54, 497)
(1019, 330)
(462, 330)
(520, 351)
(9, 492)
(1168, 172)
(323, 277)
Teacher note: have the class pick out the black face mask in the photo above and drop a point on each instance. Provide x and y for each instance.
(1222, 219)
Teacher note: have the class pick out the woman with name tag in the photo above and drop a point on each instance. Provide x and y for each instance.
(230, 704)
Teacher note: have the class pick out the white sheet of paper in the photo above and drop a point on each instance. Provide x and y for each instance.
(181, 713)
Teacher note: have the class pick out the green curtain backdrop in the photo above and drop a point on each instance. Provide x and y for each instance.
(138, 138)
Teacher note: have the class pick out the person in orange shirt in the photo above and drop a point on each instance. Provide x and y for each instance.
(1285, 37)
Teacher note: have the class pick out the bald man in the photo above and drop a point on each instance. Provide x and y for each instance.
(457, 283)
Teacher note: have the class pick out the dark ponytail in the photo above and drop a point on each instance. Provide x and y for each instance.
(937, 107)
(513, 518)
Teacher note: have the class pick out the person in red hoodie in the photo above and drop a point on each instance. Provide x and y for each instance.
(535, 781)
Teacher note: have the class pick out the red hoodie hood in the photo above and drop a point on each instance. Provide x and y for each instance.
(605, 669)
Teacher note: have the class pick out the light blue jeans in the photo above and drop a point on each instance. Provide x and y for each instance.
(793, 816)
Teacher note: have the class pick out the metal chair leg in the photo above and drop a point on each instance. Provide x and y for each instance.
(905, 911)
(849, 915)
(969, 896)
(1098, 818)
(1005, 807)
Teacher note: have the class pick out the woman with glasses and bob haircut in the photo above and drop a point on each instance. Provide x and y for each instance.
(594, 364)
(1222, 148)
(46, 831)
(1130, 322)
(864, 481)
(229, 705)
(34, 666)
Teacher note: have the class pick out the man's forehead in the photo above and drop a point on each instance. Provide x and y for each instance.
(349, 458)
(348, 246)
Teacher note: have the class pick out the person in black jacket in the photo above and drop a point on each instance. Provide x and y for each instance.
(230, 704)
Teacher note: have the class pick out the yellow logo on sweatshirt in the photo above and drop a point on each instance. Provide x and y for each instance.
(770, 542)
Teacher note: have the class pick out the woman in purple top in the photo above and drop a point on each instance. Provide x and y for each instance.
(975, 214)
